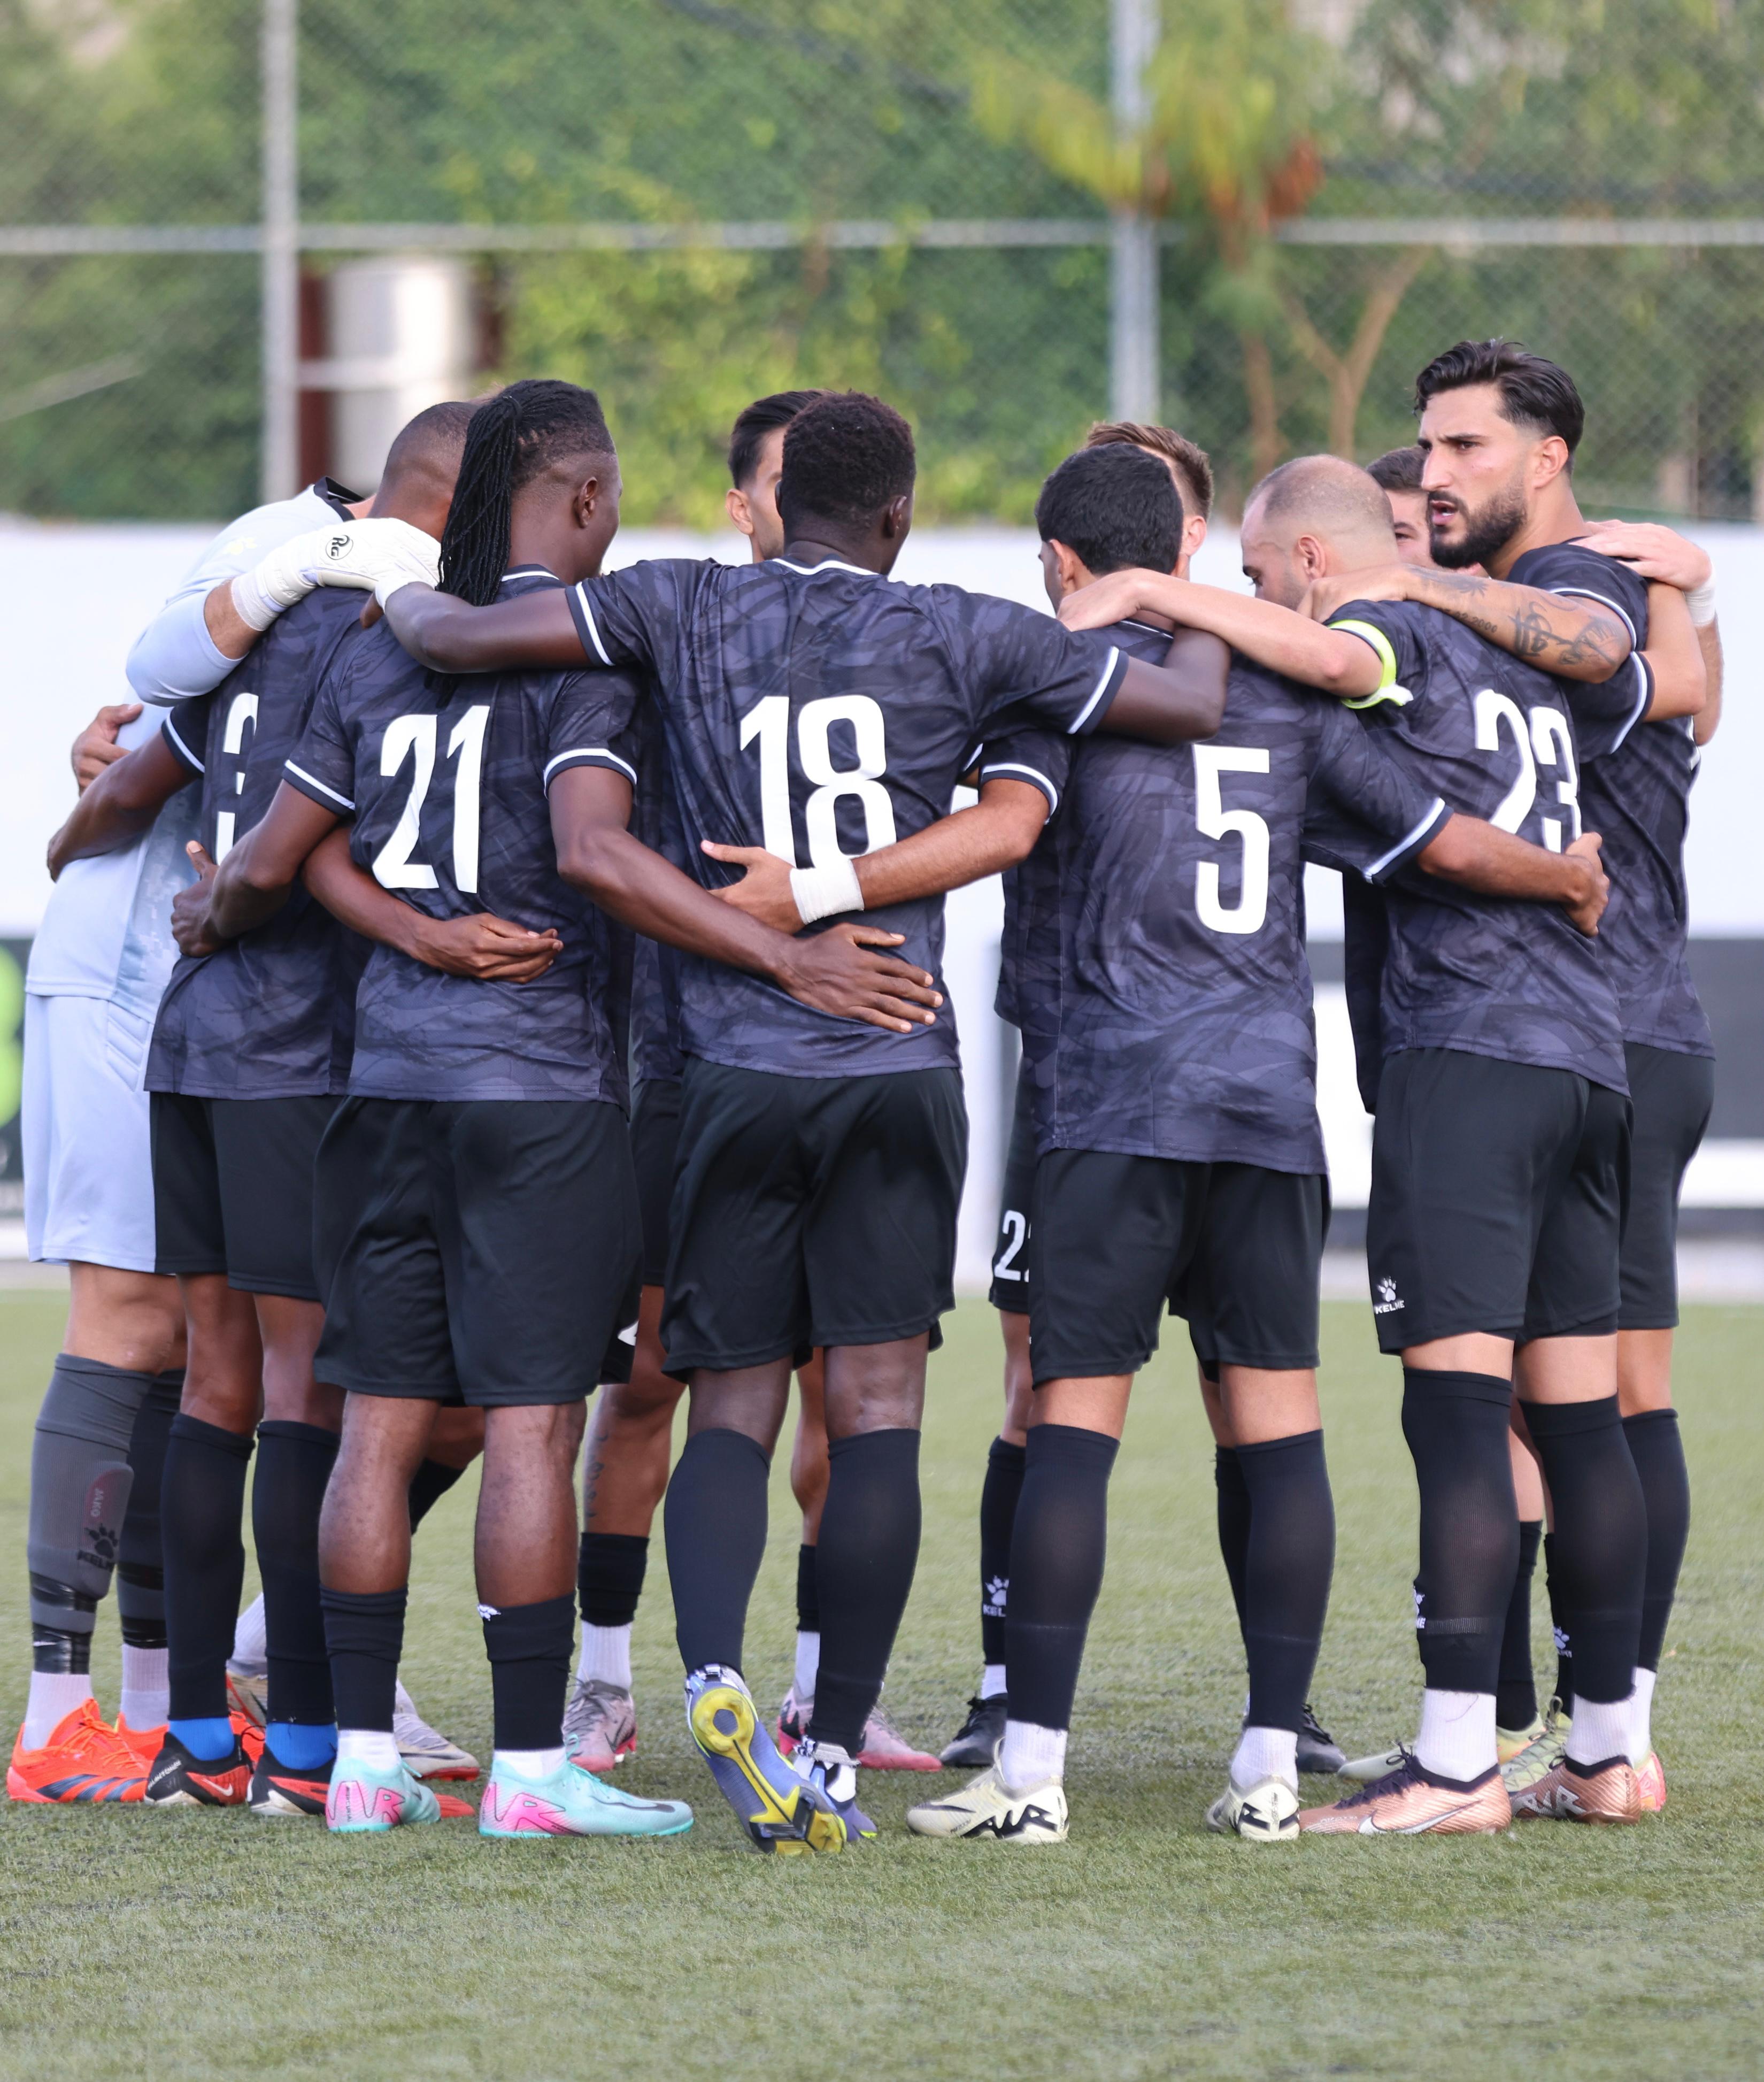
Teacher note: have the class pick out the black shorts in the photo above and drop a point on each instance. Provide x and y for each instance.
(654, 1139)
(1670, 1096)
(1236, 1249)
(482, 1251)
(810, 1210)
(232, 1189)
(1497, 1201)
(1009, 1290)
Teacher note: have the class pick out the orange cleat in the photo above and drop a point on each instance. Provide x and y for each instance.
(1651, 1778)
(1609, 1792)
(1408, 1803)
(84, 1761)
(146, 1742)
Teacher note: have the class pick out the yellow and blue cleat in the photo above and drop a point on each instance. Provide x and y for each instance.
(779, 1811)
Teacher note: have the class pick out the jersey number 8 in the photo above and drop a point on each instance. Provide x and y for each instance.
(768, 721)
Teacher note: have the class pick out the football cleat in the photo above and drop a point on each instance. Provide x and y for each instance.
(426, 1753)
(362, 1801)
(1319, 1751)
(975, 1742)
(600, 1724)
(1540, 1756)
(830, 1769)
(1380, 1764)
(987, 1810)
(179, 1778)
(1651, 1782)
(884, 1748)
(794, 1715)
(84, 1763)
(781, 1812)
(146, 1742)
(275, 1789)
(1508, 1742)
(248, 1691)
(573, 1802)
(1266, 1814)
(1568, 1792)
(1408, 1803)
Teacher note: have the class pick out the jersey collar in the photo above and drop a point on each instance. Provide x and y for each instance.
(827, 564)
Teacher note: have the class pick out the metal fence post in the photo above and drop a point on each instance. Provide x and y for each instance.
(280, 306)
(1134, 385)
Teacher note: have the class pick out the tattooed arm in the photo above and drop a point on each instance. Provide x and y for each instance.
(1578, 638)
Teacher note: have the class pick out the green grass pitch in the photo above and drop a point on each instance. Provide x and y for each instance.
(213, 1944)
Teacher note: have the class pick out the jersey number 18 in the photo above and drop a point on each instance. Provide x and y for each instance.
(768, 724)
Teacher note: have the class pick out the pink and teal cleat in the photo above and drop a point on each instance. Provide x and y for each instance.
(573, 1802)
(363, 1801)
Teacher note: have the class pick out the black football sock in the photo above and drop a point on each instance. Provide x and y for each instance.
(1558, 1627)
(808, 1593)
(1658, 1452)
(1456, 1427)
(1056, 1568)
(1516, 1695)
(999, 1495)
(1291, 1555)
(714, 1524)
(201, 1512)
(364, 1632)
(1601, 1549)
(528, 1647)
(868, 1550)
(431, 1483)
(294, 1463)
(1233, 1495)
(610, 1568)
(141, 1569)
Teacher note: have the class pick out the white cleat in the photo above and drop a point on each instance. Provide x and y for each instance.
(426, 1752)
(1368, 1768)
(248, 1691)
(988, 1810)
(1267, 1813)
(600, 1724)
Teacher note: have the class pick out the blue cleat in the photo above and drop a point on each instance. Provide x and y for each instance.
(831, 1771)
(781, 1812)
(573, 1802)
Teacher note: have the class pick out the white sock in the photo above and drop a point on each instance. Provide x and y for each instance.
(1264, 1753)
(606, 1655)
(1030, 1755)
(1599, 1731)
(531, 1764)
(146, 1701)
(376, 1747)
(250, 1642)
(54, 1694)
(1641, 1715)
(992, 1681)
(808, 1664)
(1456, 1738)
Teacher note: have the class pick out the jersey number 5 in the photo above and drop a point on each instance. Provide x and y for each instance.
(413, 737)
(768, 723)
(1215, 821)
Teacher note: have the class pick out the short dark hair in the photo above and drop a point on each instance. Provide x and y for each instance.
(846, 457)
(432, 442)
(1192, 465)
(513, 438)
(1534, 392)
(1398, 470)
(756, 421)
(1114, 507)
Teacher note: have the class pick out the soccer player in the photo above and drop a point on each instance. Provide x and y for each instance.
(1497, 1157)
(1169, 1039)
(820, 1166)
(1188, 463)
(1499, 426)
(1398, 473)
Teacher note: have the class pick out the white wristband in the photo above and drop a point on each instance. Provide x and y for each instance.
(820, 891)
(1700, 600)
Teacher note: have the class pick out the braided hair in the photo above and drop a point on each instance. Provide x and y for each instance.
(513, 438)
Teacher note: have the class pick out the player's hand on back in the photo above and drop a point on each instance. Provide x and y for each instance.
(1585, 912)
(839, 971)
(764, 892)
(1325, 598)
(1106, 601)
(96, 747)
(378, 556)
(486, 948)
(189, 906)
(1657, 553)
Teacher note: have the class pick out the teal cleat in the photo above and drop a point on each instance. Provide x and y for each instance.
(573, 1802)
(781, 1812)
(362, 1801)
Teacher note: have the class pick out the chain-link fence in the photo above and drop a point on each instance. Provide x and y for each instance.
(685, 203)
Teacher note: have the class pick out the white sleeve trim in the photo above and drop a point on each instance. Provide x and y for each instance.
(1097, 692)
(1604, 600)
(1031, 773)
(170, 731)
(590, 752)
(1436, 814)
(313, 780)
(594, 627)
(1643, 700)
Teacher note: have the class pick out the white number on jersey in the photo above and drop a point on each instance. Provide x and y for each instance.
(241, 711)
(413, 738)
(1015, 1227)
(1215, 821)
(1544, 740)
(768, 721)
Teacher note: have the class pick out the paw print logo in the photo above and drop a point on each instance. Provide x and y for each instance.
(999, 1589)
(102, 1543)
(1386, 1290)
(1561, 1640)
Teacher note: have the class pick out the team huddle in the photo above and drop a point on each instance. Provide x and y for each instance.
(556, 1007)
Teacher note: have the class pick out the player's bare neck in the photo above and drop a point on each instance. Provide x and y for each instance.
(868, 550)
(1554, 517)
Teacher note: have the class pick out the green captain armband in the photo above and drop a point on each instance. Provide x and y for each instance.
(1387, 690)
